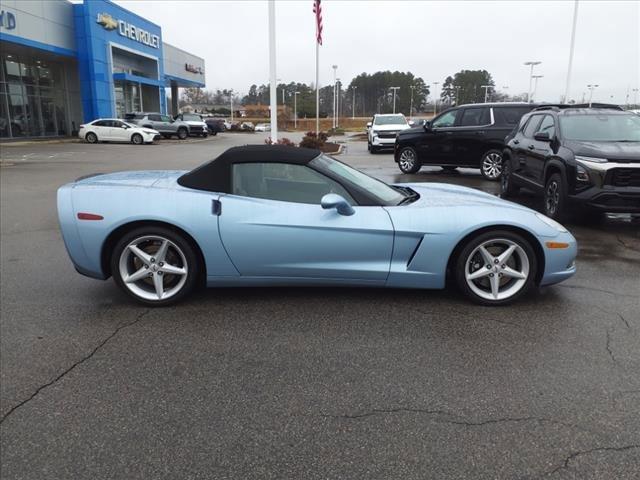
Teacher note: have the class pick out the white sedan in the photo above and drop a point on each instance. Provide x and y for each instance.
(115, 130)
(263, 127)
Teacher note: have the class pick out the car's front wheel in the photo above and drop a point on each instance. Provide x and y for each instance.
(137, 139)
(408, 160)
(507, 187)
(491, 165)
(496, 267)
(154, 265)
(182, 133)
(555, 198)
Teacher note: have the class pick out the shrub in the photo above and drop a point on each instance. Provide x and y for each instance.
(281, 141)
(311, 140)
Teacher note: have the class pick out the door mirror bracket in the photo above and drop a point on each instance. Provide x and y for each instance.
(333, 200)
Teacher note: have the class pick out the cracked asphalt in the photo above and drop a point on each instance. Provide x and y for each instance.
(305, 383)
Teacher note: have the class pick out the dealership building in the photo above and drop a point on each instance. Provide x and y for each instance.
(63, 64)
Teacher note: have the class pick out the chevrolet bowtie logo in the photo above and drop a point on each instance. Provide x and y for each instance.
(107, 21)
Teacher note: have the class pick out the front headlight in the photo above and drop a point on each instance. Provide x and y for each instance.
(591, 159)
(374, 133)
(581, 174)
(552, 223)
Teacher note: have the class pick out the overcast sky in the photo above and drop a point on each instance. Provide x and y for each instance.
(430, 39)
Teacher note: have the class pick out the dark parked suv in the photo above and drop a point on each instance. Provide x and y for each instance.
(465, 136)
(576, 154)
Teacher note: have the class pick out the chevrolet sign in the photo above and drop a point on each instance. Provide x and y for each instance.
(107, 21)
(128, 30)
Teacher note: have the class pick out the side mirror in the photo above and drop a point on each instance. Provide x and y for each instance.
(125, 126)
(542, 137)
(427, 125)
(368, 124)
(333, 200)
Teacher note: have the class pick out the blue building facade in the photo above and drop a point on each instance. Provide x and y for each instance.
(64, 64)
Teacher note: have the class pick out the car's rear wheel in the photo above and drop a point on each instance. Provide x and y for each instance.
(137, 139)
(555, 198)
(408, 160)
(491, 165)
(182, 133)
(154, 265)
(496, 268)
(507, 188)
(91, 137)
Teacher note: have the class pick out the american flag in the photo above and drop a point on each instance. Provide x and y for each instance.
(317, 9)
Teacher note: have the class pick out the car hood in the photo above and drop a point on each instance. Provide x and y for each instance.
(143, 178)
(386, 128)
(448, 195)
(195, 123)
(614, 151)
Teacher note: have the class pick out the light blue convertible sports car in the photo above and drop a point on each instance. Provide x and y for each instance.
(271, 215)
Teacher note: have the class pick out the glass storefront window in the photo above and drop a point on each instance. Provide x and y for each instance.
(34, 103)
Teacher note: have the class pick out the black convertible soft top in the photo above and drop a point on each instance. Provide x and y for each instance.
(215, 176)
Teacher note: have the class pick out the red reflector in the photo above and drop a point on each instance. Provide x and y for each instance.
(89, 216)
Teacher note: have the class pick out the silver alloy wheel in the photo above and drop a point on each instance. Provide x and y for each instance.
(407, 159)
(492, 165)
(552, 198)
(497, 269)
(153, 267)
(137, 139)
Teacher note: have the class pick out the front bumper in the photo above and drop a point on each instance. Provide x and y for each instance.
(614, 187)
(560, 263)
(383, 142)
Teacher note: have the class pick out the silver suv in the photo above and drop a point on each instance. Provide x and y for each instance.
(162, 123)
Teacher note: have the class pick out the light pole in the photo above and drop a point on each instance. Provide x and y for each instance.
(635, 97)
(457, 88)
(535, 86)
(532, 64)
(591, 89)
(295, 110)
(231, 100)
(338, 88)
(353, 103)
(486, 91)
(412, 87)
(395, 89)
(573, 42)
(435, 98)
(335, 68)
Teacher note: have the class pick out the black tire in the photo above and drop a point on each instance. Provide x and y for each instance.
(368, 146)
(191, 265)
(491, 165)
(182, 133)
(468, 258)
(449, 168)
(507, 188)
(555, 198)
(91, 137)
(214, 133)
(205, 135)
(137, 139)
(408, 160)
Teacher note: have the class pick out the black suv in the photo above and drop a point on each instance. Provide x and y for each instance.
(576, 154)
(465, 136)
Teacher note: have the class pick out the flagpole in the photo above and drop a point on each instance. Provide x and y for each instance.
(317, 87)
(273, 100)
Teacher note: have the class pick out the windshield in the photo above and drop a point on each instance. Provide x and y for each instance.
(601, 128)
(390, 120)
(385, 194)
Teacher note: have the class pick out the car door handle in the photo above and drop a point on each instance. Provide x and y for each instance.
(448, 133)
(481, 132)
(531, 147)
(216, 207)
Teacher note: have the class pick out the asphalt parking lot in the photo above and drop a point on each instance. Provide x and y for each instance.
(305, 383)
